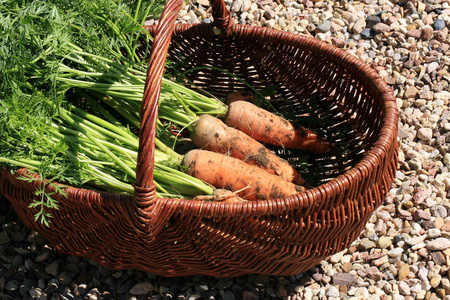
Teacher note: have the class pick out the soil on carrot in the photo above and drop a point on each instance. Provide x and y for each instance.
(260, 159)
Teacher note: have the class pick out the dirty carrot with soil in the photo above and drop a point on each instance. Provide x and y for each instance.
(269, 128)
(212, 134)
(247, 181)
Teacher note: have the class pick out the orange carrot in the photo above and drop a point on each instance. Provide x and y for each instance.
(247, 181)
(212, 134)
(221, 195)
(241, 96)
(270, 128)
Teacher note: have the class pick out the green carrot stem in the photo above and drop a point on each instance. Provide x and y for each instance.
(122, 134)
(74, 124)
(21, 163)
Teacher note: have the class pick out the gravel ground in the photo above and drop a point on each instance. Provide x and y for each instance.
(404, 251)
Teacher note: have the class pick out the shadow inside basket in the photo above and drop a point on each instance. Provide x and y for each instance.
(304, 85)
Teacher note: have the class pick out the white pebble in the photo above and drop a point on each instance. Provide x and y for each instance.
(395, 252)
(332, 292)
(425, 134)
(446, 159)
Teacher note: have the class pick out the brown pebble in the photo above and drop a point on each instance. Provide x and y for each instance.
(381, 27)
(421, 215)
(343, 289)
(414, 33)
(441, 35)
(340, 43)
(427, 33)
(411, 27)
(344, 279)
(439, 223)
(445, 227)
(347, 267)
(441, 293)
(403, 272)
(438, 257)
(391, 20)
(423, 252)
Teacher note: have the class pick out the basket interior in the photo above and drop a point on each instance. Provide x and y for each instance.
(309, 85)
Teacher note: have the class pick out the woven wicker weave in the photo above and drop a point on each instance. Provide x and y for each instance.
(176, 237)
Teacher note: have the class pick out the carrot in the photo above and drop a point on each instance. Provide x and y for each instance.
(212, 134)
(247, 181)
(270, 128)
(241, 96)
(220, 195)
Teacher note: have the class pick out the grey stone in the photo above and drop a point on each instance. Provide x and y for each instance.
(64, 278)
(372, 21)
(324, 26)
(142, 288)
(52, 268)
(439, 210)
(438, 24)
(227, 295)
(4, 237)
(367, 33)
(224, 283)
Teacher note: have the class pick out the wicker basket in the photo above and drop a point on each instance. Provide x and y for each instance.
(177, 237)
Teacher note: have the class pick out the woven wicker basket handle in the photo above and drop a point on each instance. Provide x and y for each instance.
(222, 16)
(150, 213)
(150, 102)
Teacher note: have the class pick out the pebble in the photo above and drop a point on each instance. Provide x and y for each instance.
(53, 268)
(325, 26)
(4, 237)
(381, 28)
(411, 92)
(384, 242)
(403, 272)
(427, 32)
(425, 134)
(359, 26)
(366, 244)
(373, 20)
(435, 280)
(422, 215)
(432, 67)
(332, 292)
(403, 288)
(438, 244)
(396, 252)
(344, 279)
(142, 288)
(438, 24)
